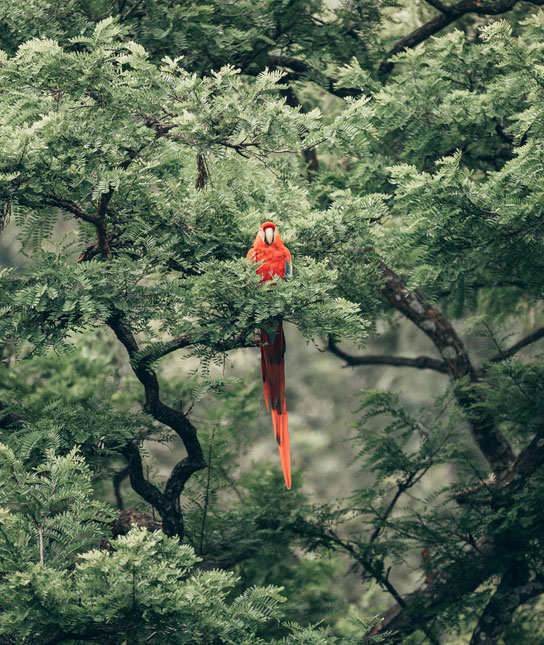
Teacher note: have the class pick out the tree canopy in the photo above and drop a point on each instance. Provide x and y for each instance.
(397, 146)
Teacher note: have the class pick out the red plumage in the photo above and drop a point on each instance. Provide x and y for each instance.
(269, 249)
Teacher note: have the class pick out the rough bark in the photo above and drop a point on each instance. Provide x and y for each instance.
(130, 516)
(433, 323)
(517, 586)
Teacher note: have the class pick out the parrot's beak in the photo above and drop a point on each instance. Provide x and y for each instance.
(269, 235)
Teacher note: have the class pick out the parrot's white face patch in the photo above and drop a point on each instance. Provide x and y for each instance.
(268, 235)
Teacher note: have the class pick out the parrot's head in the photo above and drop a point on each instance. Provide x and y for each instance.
(268, 232)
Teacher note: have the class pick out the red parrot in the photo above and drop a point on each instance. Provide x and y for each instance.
(269, 249)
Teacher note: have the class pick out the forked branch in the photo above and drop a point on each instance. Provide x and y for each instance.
(167, 503)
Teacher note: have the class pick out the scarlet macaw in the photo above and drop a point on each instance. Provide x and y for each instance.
(269, 249)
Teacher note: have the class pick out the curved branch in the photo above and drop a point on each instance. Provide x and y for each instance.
(448, 15)
(153, 404)
(167, 503)
(419, 362)
(98, 220)
(172, 516)
(438, 5)
(144, 358)
(139, 483)
(69, 205)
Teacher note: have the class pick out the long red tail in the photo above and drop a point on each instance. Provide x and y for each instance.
(273, 373)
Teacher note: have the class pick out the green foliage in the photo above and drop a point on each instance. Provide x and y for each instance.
(464, 207)
(144, 586)
(156, 137)
(71, 399)
(242, 32)
(48, 514)
(145, 169)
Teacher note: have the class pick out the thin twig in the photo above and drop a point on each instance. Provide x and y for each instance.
(524, 342)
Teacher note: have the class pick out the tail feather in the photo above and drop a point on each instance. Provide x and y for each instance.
(273, 373)
(266, 387)
(280, 423)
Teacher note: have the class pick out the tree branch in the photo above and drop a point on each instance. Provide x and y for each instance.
(487, 285)
(440, 6)
(90, 636)
(524, 342)
(139, 483)
(528, 461)
(298, 67)
(332, 538)
(465, 576)
(167, 503)
(117, 480)
(98, 220)
(172, 517)
(449, 14)
(115, 241)
(432, 322)
(375, 571)
(145, 357)
(93, 248)
(153, 404)
(101, 227)
(309, 154)
(517, 586)
(71, 207)
(419, 362)
(446, 586)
